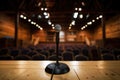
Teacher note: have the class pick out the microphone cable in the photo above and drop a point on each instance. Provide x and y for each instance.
(53, 73)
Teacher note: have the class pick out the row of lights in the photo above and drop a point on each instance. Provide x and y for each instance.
(90, 22)
(80, 16)
(47, 15)
(32, 22)
(75, 15)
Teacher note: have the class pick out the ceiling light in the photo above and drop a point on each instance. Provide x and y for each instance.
(86, 25)
(29, 20)
(87, 15)
(76, 9)
(100, 16)
(69, 27)
(39, 3)
(24, 17)
(32, 22)
(89, 23)
(45, 13)
(21, 16)
(73, 22)
(37, 25)
(49, 22)
(46, 9)
(42, 9)
(80, 9)
(83, 3)
(75, 15)
(53, 27)
(82, 28)
(97, 18)
(81, 16)
(46, 17)
(41, 28)
(93, 20)
(39, 16)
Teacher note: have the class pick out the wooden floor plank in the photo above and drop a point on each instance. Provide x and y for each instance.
(10, 74)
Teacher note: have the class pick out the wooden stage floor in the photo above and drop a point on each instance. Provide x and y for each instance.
(79, 70)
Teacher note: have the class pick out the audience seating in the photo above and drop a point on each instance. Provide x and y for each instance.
(85, 51)
(68, 55)
(45, 52)
(66, 52)
(76, 51)
(81, 58)
(32, 53)
(54, 57)
(118, 57)
(94, 53)
(22, 57)
(14, 52)
(6, 57)
(107, 56)
(116, 52)
(38, 57)
(4, 51)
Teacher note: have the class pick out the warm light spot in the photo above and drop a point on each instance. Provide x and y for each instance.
(81, 16)
(100, 16)
(76, 9)
(89, 23)
(74, 63)
(42, 9)
(80, 9)
(24, 17)
(41, 28)
(97, 18)
(21, 16)
(73, 22)
(46, 9)
(83, 3)
(93, 20)
(53, 27)
(29, 20)
(45, 13)
(49, 22)
(69, 27)
(39, 16)
(75, 15)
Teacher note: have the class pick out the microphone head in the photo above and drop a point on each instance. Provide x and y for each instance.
(58, 28)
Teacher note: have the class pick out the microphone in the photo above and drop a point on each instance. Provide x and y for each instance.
(58, 28)
(57, 68)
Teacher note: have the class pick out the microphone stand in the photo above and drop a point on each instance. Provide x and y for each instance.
(57, 68)
(57, 47)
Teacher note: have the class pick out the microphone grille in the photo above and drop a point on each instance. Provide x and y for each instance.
(58, 28)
